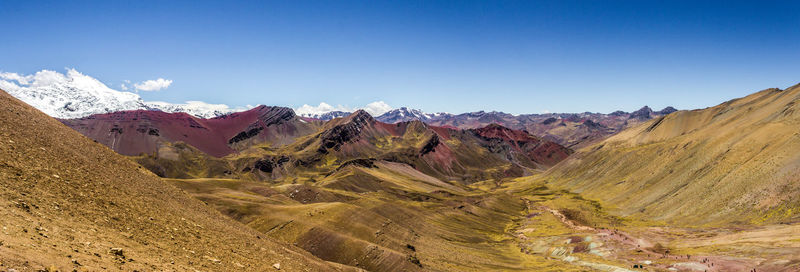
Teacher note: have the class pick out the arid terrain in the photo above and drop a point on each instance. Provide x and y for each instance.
(400, 136)
(68, 203)
(712, 189)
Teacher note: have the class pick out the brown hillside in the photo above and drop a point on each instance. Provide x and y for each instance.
(69, 203)
(737, 162)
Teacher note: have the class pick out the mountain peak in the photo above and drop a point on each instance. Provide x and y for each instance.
(667, 110)
(404, 114)
(346, 130)
(275, 115)
(361, 116)
(644, 113)
(618, 113)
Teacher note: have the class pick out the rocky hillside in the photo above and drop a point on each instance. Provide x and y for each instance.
(145, 131)
(537, 150)
(69, 204)
(277, 143)
(465, 155)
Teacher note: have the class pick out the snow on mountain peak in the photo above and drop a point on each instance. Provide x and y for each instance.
(75, 95)
(404, 114)
(69, 95)
(197, 108)
(326, 112)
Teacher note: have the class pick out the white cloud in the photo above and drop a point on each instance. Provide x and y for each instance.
(377, 108)
(23, 80)
(308, 110)
(196, 108)
(153, 85)
(48, 78)
(124, 86)
(8, 86)
(41, 78)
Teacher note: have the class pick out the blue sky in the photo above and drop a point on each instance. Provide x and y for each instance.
(454, 56)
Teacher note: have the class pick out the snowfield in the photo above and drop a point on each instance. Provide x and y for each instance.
(75, 95)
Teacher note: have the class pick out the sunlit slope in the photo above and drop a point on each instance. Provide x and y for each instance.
(389, 230)
(67, 203)
(738, 162)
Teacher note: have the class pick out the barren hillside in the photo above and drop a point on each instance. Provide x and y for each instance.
(69, 203)
(733, 163)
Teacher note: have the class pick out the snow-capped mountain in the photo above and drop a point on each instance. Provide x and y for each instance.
(402, 114)
(405, 114)
(69, 95)
(327, 112)
(75, 95)
(196, 108)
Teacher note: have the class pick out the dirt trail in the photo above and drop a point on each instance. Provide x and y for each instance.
(563, 218)
(642, 254)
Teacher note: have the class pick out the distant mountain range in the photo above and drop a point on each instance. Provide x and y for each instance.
(573, 130)
(289, 144)
(407, 114)
(74, 95)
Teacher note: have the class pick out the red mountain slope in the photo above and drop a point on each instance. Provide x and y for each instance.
(141, 131)
(539, 151)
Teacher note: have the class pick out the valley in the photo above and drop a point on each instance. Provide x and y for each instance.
(400, 136)
(355, 193)
(475, 228)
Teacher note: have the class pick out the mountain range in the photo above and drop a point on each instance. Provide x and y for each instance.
(293, 142)
(711, 189)
(574, 130)
(74, 95)
(568, 129)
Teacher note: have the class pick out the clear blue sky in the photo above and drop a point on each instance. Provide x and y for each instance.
(455, 56)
